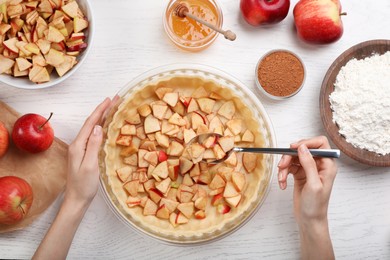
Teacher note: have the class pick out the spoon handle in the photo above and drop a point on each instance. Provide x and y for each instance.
(327, 153)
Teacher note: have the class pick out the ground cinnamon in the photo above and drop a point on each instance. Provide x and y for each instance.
(280, 73)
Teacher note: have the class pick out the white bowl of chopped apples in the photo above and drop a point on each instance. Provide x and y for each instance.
(43, 42)
(150, 176)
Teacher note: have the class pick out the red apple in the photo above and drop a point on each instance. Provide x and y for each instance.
(16, 197)
(259, 12)
(318, 21)
(33, 133)
(4, 139)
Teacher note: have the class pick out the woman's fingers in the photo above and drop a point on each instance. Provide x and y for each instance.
(315, 143)
(91, 154)
(93, 120)
(308, 164)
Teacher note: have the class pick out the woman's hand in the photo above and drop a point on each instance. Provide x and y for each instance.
(313, 182)
(81, 186)
(83, 168)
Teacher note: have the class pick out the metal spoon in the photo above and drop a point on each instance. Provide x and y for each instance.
(326, 153)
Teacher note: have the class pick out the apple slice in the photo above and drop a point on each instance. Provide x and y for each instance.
(223, 208)
(162, 212)
(200, 214)
(39, 74)
(151, 124)
(249, 160)
(201, 203)
(124, 140)
(71, 9)
(162, 156)
(5, 64)
(171, 98)
(188, 135)
(141, 161)
(226, 173)
(235, 126)
(176, 119)
(155, 195)
(200, 92)
(131, 160)
(195, 171)
(238, 179)
(124, 173)
(215, 123)
(160, 92)
(217, 182)
(185, 165)
(149, 184)
(18, 73)
(132, 187)
(186, 208)
(66, 66)
(133, 201)
(161, 170)
(202, 129)
(128, 129)
(197, 150)
(54, 57)
(10, 44)
(227, 110)
(226, 143)
(32, 47)
(216, 191)
(230, 190)
(54, 35)
(134, 119)
(79, 24)
(206, 105)
(172, 219)
(171, 205)
(217, 199)
(129, 150)
(215, 96)
(44, 45)
(151, 158)
(150, 208)
(23, 64)
(164, 185)
(196, 120)
(232, 160)
(181, 219)
(192, 106)
(4, 28)
(234, 201)
(179, 108)
(162, 139)
(248, 136)
(173, 172)
(175, 149)
(144, 110)
(218, 152)
(159, 110)
(204, 178)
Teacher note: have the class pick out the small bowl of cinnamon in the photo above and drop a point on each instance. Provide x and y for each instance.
(280, 74)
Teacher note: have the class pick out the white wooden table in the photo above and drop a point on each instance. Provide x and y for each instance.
(130, 40)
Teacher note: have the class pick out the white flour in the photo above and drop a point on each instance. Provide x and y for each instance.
(361, 103)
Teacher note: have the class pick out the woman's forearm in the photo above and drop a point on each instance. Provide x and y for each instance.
(59, 237)
(315, 241)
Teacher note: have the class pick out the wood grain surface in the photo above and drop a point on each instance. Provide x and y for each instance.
(130, 40)
(359, 51)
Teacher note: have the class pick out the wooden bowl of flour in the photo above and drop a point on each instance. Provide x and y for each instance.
(359, 51)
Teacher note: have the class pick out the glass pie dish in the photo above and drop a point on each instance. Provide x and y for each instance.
(184, 77)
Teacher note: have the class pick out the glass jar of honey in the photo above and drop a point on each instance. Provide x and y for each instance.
(187, 33)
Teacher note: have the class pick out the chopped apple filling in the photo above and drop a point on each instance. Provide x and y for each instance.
(40, 36)
(168, 177)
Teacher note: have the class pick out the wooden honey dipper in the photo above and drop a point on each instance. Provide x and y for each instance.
(182, 11)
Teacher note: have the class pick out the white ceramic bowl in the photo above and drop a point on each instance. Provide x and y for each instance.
(135, 87)
(25, 83)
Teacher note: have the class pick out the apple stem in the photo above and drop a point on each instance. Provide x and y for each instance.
(343, 13)
(40, 128)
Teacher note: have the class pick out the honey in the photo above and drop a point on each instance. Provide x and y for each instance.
(188, 33)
